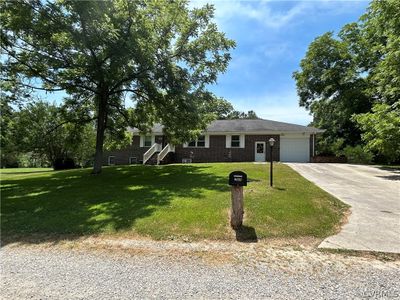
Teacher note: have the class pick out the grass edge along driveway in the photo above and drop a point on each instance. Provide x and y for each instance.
(164, 202)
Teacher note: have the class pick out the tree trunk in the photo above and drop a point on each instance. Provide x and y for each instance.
(101, 127)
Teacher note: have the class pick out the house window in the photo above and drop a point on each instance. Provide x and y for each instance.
(199, 142)
(111, 160)
(235, 141)
(132, 160)
(147, 141)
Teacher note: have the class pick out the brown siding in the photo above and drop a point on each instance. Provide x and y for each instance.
(215, 153)
(122, 155)
(218, 153)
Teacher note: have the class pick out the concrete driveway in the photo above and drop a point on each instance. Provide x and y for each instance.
(374, 196)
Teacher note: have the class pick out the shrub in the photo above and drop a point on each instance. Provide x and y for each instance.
(64, 164)
(357, 154)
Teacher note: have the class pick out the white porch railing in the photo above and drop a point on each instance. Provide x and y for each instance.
(149, 153)
(167, 149)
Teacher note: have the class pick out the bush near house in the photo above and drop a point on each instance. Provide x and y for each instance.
(357, 154)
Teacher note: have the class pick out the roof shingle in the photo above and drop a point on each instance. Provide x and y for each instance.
(245, 125)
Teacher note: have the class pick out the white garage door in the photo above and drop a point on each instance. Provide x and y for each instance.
(295, 149)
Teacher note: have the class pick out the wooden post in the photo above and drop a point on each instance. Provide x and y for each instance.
(237, 206)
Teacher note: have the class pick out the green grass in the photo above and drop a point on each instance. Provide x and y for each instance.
(171, 201)
(20, 171)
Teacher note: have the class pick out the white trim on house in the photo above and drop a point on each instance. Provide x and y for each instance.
(294, 149)
(109, 160)
(281, 133)
(295, 135)
(228, 140)
(206, 142)
(142, 137)
(260, 157)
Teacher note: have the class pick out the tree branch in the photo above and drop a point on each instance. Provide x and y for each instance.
(118, 108)
(34, 87)
(79, 121)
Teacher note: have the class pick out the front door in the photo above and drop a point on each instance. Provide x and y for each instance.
(260, 151)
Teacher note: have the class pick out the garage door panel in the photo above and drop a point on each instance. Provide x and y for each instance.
(294, 150)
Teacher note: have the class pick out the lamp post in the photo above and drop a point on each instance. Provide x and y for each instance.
(271, 144)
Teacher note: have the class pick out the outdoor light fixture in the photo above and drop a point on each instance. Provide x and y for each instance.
(271, 144)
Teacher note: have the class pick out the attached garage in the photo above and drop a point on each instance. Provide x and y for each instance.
(295, 149)
(223, 141)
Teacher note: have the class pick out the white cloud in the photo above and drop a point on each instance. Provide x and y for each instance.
(281, 106)
(227, 11)
(260, 11)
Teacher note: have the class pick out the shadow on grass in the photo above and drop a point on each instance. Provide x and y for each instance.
(395, 173)
(394, 168)
(246, 234)
(66, 205)
(390, 177)
(279, 188)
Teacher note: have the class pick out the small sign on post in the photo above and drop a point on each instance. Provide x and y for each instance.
(237, 180)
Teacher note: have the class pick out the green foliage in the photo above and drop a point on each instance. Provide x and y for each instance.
(41, 135)
(171, 201)
(381, 129)
(332, 88)
(158, 54)
(332, 148)
(82, 151)
(346, 75)
(32, 160)
(357, 154)
(381, 31)
(241, 115)
(223, 110)
(220, 108)
(121, 141)
(8, 145)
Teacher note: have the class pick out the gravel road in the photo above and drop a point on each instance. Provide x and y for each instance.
(144, 270)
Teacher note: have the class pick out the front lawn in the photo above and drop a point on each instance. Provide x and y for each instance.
(171, 201)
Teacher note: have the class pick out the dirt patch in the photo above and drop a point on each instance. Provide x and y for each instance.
(289, 255)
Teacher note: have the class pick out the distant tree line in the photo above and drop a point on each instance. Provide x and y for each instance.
(350, 82)
(35, 133)
(39, 135)
(235, 114)
(222, 109)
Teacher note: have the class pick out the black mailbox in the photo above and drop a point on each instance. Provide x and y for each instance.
(238, 178)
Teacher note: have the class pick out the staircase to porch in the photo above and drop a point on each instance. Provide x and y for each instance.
(156, 154)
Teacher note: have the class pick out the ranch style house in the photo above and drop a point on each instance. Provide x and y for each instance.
(238, 140)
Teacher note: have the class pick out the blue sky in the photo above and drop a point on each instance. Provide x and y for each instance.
(272, 37)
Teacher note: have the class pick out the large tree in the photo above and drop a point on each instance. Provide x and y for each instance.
(332, 87)
(352, 74)
(158, 54)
